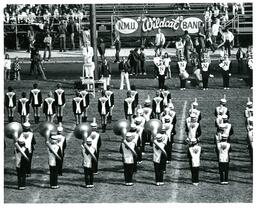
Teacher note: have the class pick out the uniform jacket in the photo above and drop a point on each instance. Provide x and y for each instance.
(129, 106)
(23, 106)
(35, 98)
(157, 105)
(103, 106)
(111, 98)
(77, 105)
(59, 96)
(10, 99)
(49, 106)
(86, 98)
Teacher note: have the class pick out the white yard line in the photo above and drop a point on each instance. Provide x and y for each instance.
(181, 138)
(45, 178)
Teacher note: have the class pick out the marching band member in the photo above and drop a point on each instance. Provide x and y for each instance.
(89, 158)
(166, 141)
(170, 132)
(96, 143)
(128, 151)
(22, 162)
(62, 145)
(28, 136)
(219, 133)
(223, 149)
(77, 104)
(139, 122)
(147, 111)
(205, 73)
(248, 110)
(156, 61)
(161, 75)
(129, 106)
(159, 158)
(85, 103)
(249, 57)
(124, 73)
(193, 128)
(23, 107)
(172, 114)
(54, 151)
(183, 74)
(137, 142)
(35, 98)
(105, 73)
(157, 105)
(179, 48)
(225, 65)
(167, 61)
(228, 129)
(222, 109)
(103, 109)
(111, 102)
(166, 95)
(49, 107)
(250, 137)
(60, 101)
(10, 103)
(194, 110)
(194, 152)
(135, 95)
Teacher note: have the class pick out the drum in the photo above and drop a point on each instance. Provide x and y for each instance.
(184, 74)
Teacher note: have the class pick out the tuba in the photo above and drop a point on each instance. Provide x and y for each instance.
(46, 128)
(121, 127)
(82, 131)
(153, 126)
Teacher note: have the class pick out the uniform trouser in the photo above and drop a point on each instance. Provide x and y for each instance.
(128, 117)
(59, 164)
(225, 75)
(106, 82)
(36, 111)
(125, 77)
(227, 46)
(63, 42)
(49, 117)
(88, 176)
(117, 54)
(159, 175)
(223, 170)
(95, 164)
(169, 150)
(240, 66)
(59, 110)
(78, 118)
(202, 43)
(128, 172)
(205, 77)
(183, 83)
(21, 173)
(142, 66)
(157, 116)
(72, 40)
(84, 113)
(187, 53)
(47, 48)
(88, 71)
(32, 68)
(161, 81)
(28, 168)
(195, 174)
(23, 118)
(10, 112)
(139, 155)
(54, 175)
(103, 121)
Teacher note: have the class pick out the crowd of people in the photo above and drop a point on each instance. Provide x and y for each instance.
(160, 108)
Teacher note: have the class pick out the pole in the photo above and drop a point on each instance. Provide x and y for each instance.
(94, 38)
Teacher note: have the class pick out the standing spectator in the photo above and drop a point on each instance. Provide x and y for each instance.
(188, 45)
(7, 67)
(240, 55)
(179, 48)
(228, 40)
(162, 74)
(16, 68)
(117, 43)
(105, 73)
(89, 66)
(71, 29)
(201, 36)
(32, 59)
(159, 42)
(62, 35)
(84, 36)
(167, 61)
(131, 62)
(48, 45)
(136, 57)
(124, 73)
(31, 37)
(215, 30)
(142, 61)
(101, 48)
(225, 65)
(208, 18)
(37, 59)
(183, 74)
(194, 152)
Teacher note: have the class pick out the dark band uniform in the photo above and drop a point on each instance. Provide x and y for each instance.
(111, 103)
(35, 98)
(59, 96)
(10, 104)
(23, 108)
(157, 106)
(86, 102)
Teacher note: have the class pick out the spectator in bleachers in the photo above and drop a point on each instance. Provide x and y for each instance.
(71, 30)
(228, 40)
(215, 30)
(62, 35)
(47, 46)
(201, 36)
(216, 12)
(31, 17)
(208, 18)
(6, 16)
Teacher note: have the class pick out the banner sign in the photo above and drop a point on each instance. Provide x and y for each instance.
(148, 26)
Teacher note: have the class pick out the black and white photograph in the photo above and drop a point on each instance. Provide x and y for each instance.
(127, 102)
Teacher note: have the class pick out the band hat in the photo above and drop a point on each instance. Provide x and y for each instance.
(26, 125)
(159, 137)
(195, 103)
(167, 119)
(129, 136)
(170, 105)
(193, 141)
(89, 140)
(163, 129)
(59, 129)
(223, 100)
(224, 116)
(138, 120)
(93, 125)
(192, 115)
(147, 101)
(250, 119)
(140, 111)
(222, 126)
(249, 103)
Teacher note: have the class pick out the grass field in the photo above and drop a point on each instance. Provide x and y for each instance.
(109, 182)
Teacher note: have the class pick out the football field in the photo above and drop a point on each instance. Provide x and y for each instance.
(109, 183)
